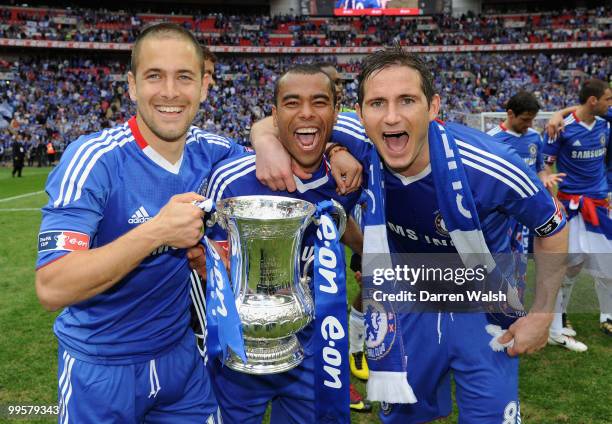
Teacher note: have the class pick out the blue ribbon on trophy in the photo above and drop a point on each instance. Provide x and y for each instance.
(331, 328)
(222, 320)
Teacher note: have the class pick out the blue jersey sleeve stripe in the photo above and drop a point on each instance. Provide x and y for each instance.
(495, 175)
(92, 162)
(350, 125)
(350, 119)
(494, 131)
(494, 166)
(226, 170)
(217, 139)
(83, 157)
(339, 128)
(569, 119)
(230, 179)
(510, 168)
(74, 160)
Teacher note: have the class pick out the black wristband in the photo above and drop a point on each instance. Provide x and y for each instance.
(355, 262)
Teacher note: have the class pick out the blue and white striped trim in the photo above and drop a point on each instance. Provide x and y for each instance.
(199, 303)
(85, 158)
(498, 168)
(569, 119)
(227, 173)
(352, 127)
(65, 388)
(494, 130)
(197, 135)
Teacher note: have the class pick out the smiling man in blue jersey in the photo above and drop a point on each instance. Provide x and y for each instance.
(112, 243)
(580, 152)
(304, 114)
(425, 210)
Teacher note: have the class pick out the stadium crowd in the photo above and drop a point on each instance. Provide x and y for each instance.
(58, 100)
(216, 29)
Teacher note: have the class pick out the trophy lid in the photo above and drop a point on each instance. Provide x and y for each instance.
(265, 208)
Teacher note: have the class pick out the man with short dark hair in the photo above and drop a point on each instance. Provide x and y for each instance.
(445, 189)
(580, 152)
(517, 131)
(111, 248)
(304, 114)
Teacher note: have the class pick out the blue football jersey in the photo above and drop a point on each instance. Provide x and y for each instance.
(528, 145)
(580, 152)
(105, 185)
(236, 177)
(502, 186)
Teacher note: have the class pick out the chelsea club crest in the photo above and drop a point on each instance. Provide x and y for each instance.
(380, 328)
(440, 226)
(533, 151)
(602, 139)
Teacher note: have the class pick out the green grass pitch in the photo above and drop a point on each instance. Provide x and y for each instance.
(556, 386)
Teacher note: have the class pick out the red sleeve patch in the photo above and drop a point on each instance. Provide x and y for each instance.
(62, 240)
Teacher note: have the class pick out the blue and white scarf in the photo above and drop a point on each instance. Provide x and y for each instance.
(388, 376)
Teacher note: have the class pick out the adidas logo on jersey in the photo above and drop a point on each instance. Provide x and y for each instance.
(140, 216)
(577, 143)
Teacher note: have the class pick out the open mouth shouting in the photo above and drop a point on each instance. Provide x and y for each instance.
(307, 137)
(396, 141)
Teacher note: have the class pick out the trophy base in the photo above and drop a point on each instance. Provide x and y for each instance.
(268, 357)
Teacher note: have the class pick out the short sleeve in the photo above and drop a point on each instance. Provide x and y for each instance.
(78, 189)
(535, 208)
(551, 147)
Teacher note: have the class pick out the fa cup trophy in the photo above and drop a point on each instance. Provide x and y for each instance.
(273, 300)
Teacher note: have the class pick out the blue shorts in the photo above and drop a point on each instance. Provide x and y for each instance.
(173, 387)
(438, 344)
(243, 398)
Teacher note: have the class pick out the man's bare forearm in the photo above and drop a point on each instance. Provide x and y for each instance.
(551, 262)
(263, 131)
(352, 236)
(81, 275)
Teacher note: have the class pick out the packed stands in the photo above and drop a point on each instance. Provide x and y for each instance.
(60, 99)
(215, 29)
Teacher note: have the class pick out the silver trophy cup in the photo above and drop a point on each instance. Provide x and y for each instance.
(273, 301)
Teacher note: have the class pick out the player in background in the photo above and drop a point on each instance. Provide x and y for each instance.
(580, 152)
(304, 113)
(210, 59)
(112, 246)
(397, 106)
(516, 130)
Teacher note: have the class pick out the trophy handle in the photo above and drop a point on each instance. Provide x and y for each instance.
(339, 217)
(305, 279)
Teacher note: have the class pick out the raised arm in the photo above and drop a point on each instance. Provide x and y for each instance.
(275, 168)
(555, 124)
